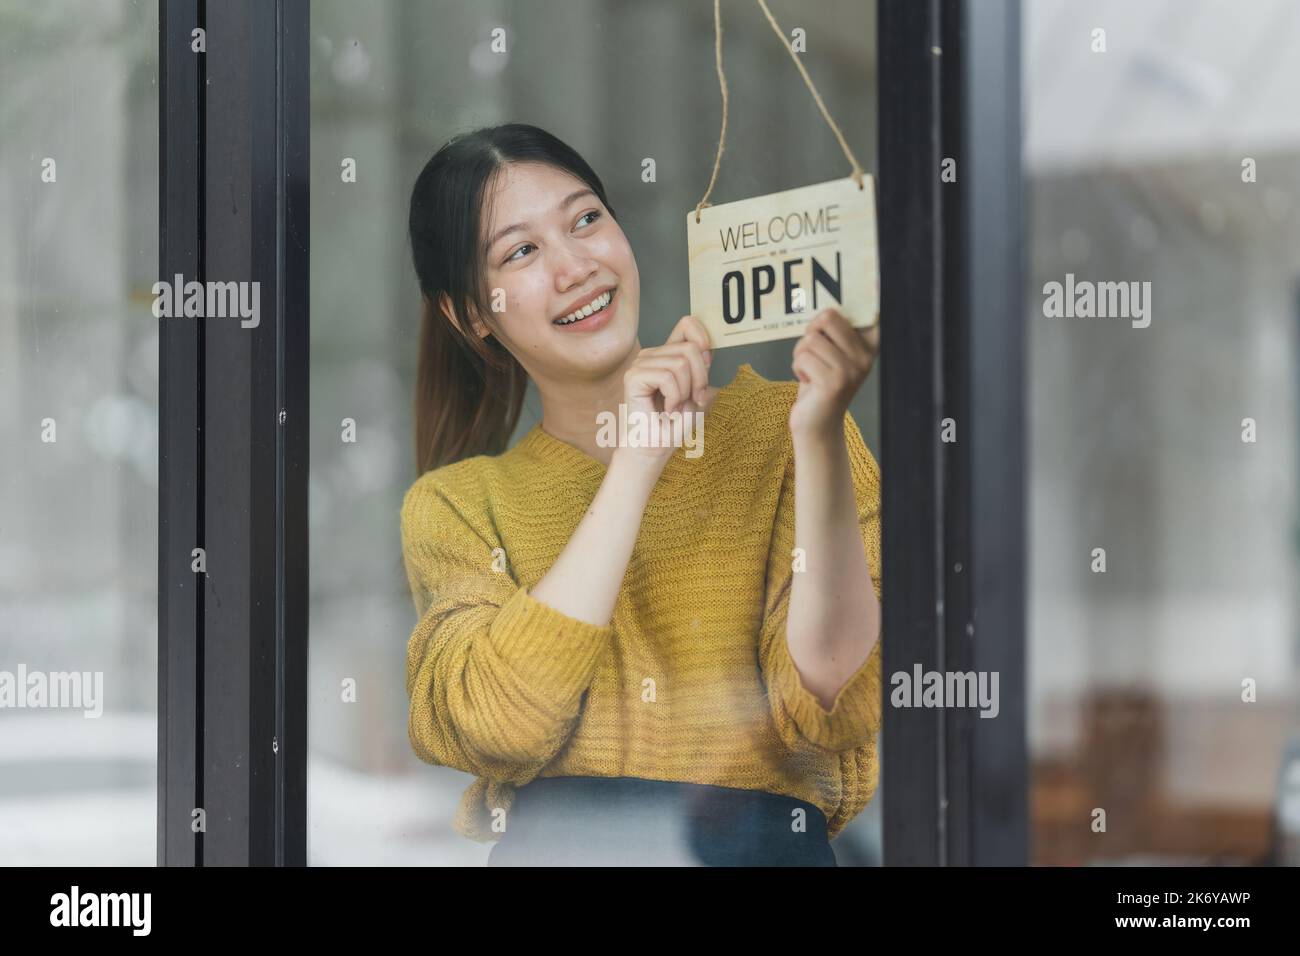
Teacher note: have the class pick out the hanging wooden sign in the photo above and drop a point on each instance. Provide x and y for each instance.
(761, 268)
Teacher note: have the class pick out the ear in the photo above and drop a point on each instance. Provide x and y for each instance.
(444, 303)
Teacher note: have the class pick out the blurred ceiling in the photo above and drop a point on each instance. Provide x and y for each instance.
(1179, 78)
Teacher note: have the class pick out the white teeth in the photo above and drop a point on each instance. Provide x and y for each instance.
(595, 306)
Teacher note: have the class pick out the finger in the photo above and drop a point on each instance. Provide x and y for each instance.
(870, 336)
(823, 349)
(808, 368)
(696, 357)
(796, 366)
(813, 364)
(666, 382)
(678, 425)
(681, 384)
(835, 326)
(676, 364)
(644, 381)
(699, 369)
(691, 329)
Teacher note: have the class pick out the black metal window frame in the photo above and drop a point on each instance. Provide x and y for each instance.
(955, 785)
(233, 442)
(233, 420)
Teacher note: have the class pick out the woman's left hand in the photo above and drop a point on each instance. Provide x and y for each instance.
(831, 360)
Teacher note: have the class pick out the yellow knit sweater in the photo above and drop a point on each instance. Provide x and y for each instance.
(692, 679)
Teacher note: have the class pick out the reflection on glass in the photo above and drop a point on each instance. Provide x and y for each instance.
(1163, 154)
(78, 425)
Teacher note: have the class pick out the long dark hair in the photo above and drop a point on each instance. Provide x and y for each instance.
(469, 390)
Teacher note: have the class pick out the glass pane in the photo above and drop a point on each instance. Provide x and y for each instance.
(1163, 154)
(620, 83)
(79, 428)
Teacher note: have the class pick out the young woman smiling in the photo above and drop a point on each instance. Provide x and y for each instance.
(642, 658)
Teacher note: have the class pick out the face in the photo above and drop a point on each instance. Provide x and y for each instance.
(563, 253)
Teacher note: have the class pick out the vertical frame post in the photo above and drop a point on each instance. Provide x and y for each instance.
(244, 700)
(954, 783)
(180, 440)
(911, 401)
(985, 626)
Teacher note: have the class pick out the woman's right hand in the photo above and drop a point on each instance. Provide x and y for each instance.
(673, 377)
(585, 580)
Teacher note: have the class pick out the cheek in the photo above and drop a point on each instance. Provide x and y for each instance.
(618, 253)
(527, 296)
(629, 262)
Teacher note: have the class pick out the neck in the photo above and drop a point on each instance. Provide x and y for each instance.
(570, 411)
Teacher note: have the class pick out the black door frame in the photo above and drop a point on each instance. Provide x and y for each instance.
(955, 785)
(233, 419)
(233, 442)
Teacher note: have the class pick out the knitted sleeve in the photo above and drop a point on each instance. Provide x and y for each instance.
(494, 676)
(854, 720)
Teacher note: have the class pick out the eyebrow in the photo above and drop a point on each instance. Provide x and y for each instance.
(564, 204)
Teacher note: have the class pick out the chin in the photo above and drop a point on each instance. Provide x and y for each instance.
(602, 358)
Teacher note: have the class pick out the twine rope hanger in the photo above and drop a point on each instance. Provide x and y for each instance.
(857, 173)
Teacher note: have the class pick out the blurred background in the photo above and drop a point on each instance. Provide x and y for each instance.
(1133, 165)
(79, 345)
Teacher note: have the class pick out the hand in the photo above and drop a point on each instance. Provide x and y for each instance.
(672, 377)
(831, 360)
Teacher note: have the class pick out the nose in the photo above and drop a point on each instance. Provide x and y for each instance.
(573, 269)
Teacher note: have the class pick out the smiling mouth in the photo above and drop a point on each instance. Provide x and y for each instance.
(576, 317)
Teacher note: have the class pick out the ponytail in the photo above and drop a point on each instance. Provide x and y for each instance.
(468, 394)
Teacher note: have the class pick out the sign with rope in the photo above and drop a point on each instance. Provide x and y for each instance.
(761, 268)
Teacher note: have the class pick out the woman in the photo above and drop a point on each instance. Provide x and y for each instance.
(620, 640)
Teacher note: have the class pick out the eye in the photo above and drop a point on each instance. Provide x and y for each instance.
(594, 214)
(511, 257)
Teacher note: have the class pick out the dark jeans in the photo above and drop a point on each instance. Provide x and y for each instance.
(630, 821)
